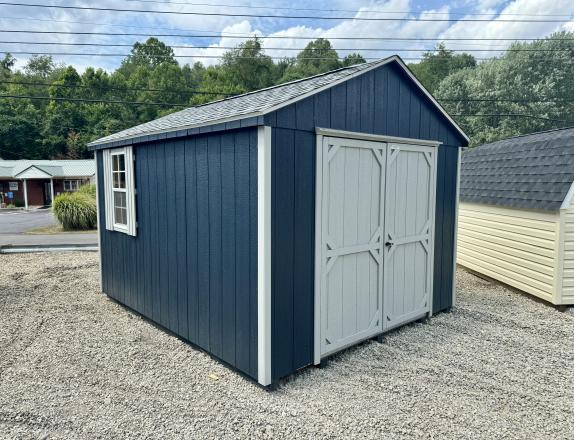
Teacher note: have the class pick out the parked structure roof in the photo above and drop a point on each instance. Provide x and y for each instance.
(51, 168)
(534, 171)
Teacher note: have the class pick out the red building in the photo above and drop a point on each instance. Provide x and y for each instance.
(35, 182)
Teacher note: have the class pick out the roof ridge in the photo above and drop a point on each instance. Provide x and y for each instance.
(275, 86)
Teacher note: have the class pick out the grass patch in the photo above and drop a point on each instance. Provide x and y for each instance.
(57, 229)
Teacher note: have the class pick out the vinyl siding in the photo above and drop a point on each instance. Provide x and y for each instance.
(515, 246)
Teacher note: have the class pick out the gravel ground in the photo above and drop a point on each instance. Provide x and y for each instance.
(74, 364)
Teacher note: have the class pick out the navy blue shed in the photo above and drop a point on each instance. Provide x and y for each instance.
(278, 227)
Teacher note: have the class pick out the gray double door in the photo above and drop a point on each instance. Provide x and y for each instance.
(375, 212)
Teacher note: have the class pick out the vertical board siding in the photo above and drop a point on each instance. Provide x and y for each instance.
(282, 232)
(385, 102)
(192, 267)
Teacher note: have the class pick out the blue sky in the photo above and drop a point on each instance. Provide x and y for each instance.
(24, 18)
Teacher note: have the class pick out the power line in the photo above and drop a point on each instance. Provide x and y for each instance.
(92, 101)
(512, 100)
(168, 104)
(264, 37)
(123, 55)
(297, 17)
(356, 49)
(247, 6)
(518, 115)
(107, 88)
(239, 35)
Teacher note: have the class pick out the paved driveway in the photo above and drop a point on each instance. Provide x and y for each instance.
(16, 222)
(13, 224)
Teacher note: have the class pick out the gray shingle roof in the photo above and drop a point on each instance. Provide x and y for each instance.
(55, 168)
(532, 172)
(258, 101)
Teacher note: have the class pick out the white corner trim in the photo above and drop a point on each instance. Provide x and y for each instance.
(264, 255)
(434, 183)
(568, 199)
(100, 232)
(318, 249)
(375, 137)
(455, 246)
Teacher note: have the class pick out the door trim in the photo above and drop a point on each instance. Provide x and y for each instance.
(330, 132)
(318, 227)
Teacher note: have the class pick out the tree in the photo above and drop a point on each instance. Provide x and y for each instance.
(150, 54)
(40, 66)
(6, 64)
(247, 67)
(437, 65)
(537, 85)
(317, 57)
(352, 59)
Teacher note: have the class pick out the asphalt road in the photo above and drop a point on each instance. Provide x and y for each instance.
(16, 222)
(13, 224)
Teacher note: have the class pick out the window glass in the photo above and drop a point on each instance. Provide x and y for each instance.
(119, 170)
(120, 208)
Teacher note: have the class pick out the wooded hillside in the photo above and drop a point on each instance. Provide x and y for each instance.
(51, 111)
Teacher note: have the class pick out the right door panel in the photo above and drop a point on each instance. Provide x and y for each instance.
(409, 231)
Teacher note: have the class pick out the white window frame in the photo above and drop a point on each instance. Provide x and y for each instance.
(111, 224)
(71, 183)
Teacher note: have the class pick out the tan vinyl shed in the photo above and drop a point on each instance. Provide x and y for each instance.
(516, 213)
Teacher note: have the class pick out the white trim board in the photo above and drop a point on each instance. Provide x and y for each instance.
(568, 199)
(375, 65)
(264, 255)
(457, 201)
(374, 137)
(99, 223)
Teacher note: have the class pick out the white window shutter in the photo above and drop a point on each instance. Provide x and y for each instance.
(131, 191)
(108, 197)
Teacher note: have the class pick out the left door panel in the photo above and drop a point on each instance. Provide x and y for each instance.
(351, 197)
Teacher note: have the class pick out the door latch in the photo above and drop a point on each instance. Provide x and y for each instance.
(389, 244)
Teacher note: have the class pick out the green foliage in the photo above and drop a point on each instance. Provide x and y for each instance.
(516, 81)
(76, 211)
(89, 189)
(48, 129)
(352, 59)
(439, 64)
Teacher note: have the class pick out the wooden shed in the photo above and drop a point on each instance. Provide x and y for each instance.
(516, 215)
(278, 227)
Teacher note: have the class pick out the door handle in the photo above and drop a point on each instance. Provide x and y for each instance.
(389, 244)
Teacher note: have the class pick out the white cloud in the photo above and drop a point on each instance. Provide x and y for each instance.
(93, 21)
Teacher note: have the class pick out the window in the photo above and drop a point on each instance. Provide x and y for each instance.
(119, 190)
(72, 185)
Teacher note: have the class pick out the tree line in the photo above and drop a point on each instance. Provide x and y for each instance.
(530, 87)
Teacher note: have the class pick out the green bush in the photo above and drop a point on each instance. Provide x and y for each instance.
(89, 189)
(76, 211)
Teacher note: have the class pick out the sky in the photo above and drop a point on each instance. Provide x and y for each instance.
(222, 29)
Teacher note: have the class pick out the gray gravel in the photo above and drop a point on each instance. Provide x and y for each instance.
(74, 364)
